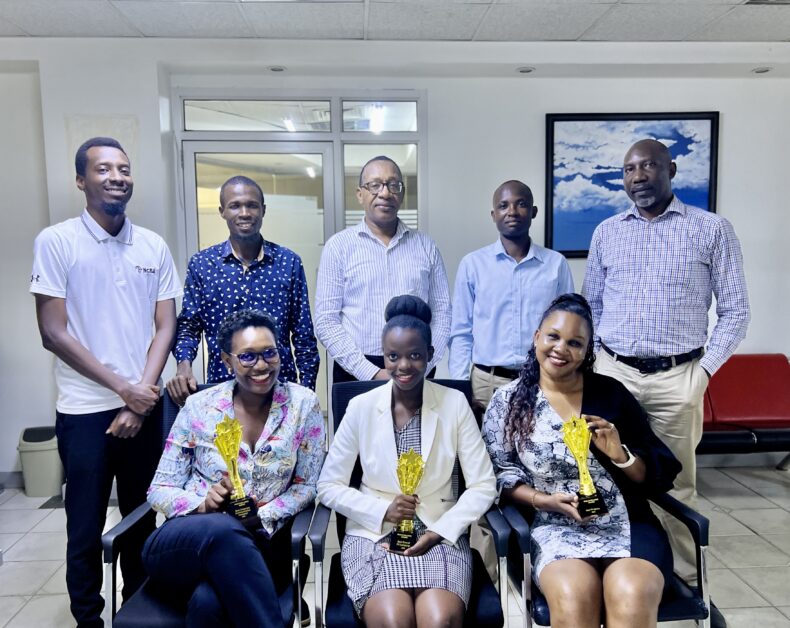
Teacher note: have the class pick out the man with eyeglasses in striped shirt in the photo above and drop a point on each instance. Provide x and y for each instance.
(364, 266)
(651, 274)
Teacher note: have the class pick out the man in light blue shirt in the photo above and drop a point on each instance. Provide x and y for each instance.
(501, 291)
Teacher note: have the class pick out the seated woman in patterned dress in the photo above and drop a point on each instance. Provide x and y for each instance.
(429, 583)
(228, 573)
(621, 559)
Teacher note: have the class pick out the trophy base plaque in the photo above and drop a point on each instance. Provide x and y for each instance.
(401, 540)
(243, 508)
(591, 505)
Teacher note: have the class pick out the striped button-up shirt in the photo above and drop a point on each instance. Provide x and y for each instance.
(358, 276)
(650, 284)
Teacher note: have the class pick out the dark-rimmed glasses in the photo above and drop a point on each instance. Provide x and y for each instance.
(250, 358)
(374, 187)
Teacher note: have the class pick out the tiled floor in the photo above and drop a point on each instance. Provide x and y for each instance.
(749, 509)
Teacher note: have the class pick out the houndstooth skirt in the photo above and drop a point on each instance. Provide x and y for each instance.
(369, 568)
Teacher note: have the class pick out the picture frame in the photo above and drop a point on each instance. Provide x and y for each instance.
(584, 167)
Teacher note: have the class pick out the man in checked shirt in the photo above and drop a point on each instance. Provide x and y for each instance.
(651, 272)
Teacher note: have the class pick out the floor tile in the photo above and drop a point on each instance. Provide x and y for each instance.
(39, 546)
(713, 562)
(57, 583)
(12, 521)
(778, 495)
(736, 497)
(764, 520)
(727, 590)
(747, 551)
(44, 611)
(723, 524)
(26, 578)
(759, 476)
(7, 540)
(7, 494)
(20, 501)
(9, 605)
(750, 617)
(773, 583)
(674, 624)
(713, 478)
(55, 521)
(785, 610)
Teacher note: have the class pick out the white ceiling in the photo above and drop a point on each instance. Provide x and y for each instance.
(437, 20)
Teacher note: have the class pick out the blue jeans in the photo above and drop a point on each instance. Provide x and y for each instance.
(220, 569)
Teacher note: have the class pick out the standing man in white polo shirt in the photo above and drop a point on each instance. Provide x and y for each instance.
(105, 300)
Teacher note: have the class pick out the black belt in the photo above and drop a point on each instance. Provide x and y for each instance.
(498, 371)
(653, 365)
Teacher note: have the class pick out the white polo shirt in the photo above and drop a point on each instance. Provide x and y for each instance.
(111, 285)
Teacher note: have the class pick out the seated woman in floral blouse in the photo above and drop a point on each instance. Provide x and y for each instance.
(223, 570)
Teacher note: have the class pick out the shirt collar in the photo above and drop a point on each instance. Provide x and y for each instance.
(98, 233)
(227, 252)
(534, 251)
(675, 206)
(362, 228)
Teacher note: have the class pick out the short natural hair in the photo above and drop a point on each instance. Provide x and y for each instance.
(380, 158)
(239, 179)
(81, 158)
(242, 319)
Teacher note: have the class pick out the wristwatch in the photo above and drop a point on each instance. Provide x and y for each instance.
(631, 459)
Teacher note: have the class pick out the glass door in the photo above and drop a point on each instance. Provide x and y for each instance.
(297, 181)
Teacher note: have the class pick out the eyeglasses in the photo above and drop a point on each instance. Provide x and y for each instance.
(374, 187)
(250, 358)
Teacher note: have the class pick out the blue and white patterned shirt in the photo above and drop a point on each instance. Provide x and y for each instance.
(498, 303)
(218, 283)
(650, 284)
(281, 471)
(358, 276)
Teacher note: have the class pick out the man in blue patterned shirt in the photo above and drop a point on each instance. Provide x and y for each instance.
(245, 271)
(651, 274)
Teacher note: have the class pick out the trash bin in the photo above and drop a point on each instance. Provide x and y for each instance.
(41, 468)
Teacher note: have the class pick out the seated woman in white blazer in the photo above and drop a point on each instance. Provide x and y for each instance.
(428, 584)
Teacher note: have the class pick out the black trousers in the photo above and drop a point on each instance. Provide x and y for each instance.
(339, 374)
(91, 459)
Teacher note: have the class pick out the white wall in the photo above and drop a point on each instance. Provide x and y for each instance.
(485, 125)
(26, 387)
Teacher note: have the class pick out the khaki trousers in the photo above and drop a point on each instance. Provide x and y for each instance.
(673, 402)
(483, 387)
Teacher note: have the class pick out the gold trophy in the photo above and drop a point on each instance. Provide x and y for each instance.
(577, 437)
(228, 440)
(410, 470)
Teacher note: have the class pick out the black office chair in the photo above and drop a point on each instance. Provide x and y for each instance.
(680, 601)
(152, 607)
(485, 609)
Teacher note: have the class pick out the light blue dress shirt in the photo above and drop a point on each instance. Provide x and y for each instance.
(498, 303)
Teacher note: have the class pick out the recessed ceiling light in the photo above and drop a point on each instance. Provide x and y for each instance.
(277, 68)
(763, 69)
(525, 69)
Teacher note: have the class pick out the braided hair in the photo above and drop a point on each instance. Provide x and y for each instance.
(520, 418)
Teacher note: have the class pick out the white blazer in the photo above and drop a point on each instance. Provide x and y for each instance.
(448, 429)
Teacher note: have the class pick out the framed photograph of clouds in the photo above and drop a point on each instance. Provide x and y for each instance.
(584, 167)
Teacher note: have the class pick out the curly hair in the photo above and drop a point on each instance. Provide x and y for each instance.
(242, 319)
(520, 418)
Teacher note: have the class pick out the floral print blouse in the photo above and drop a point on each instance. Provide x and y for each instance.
(281, 471)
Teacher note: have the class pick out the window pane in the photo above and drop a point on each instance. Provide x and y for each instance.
(379, 117)
(256, 115)
(356, 155)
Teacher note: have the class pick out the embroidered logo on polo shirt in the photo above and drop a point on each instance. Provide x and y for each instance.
(35, 278)
(146, 269)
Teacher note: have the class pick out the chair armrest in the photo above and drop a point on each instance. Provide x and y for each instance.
(697, 524)
(500, 530)
(317, 533)
(109, 540)
(299, 529)
(519, 526)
